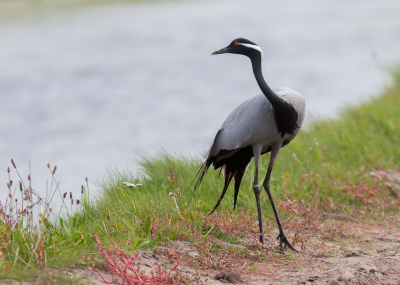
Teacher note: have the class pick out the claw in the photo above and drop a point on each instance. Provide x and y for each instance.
(283, 240)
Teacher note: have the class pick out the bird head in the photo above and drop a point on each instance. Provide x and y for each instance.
(242, 46)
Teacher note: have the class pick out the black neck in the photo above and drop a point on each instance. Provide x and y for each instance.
(285, 114)
(271, 96)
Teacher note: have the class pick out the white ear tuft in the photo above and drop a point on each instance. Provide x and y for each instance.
(256, 47)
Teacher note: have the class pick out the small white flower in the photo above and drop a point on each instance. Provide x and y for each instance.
(131, 184)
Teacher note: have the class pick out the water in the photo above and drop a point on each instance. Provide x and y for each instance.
(89, 88)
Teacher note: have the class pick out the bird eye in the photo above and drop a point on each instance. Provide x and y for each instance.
(235, 43)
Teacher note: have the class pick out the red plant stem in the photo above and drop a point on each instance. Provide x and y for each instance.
(101, 275)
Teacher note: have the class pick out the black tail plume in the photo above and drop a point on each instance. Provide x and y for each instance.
(238, 178)
(228, 178)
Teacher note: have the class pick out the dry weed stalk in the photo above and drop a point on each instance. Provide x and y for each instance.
(26, 226)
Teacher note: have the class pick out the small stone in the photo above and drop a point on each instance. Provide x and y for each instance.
(193, 253)
(372, 270)
(353, 254)
(229, 276)
(312, 278)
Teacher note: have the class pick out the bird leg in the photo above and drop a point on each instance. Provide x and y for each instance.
(256, 188)
(257, 192)
(282, 237)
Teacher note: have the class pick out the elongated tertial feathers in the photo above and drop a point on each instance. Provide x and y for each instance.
(233, 166)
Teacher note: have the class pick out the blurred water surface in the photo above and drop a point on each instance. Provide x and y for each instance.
(88, 88)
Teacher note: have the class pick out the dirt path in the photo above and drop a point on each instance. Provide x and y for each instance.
(374, 260)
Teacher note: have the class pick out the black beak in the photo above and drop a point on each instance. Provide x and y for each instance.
(223, 50)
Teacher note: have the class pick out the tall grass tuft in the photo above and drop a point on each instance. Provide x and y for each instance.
(32, 233)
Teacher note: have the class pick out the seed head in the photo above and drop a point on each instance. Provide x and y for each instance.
(77, 201)
(65, 195)
(48, 165)
(72, 201)
(12, 162)
(29, 177)
(54, 170)
(70, 195)
(10, 183)
(8, 169)
(20, 186)
(82, 189)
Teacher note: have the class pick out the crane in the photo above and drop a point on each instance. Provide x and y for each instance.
(264, 123)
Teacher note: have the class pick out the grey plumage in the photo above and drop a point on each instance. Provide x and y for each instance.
(253, 122)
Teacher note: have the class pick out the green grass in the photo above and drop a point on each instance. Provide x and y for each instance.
(334, 153)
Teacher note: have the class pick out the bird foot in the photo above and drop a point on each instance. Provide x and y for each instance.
(283, 240)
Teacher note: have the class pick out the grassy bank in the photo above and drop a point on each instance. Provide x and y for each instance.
(324, 172)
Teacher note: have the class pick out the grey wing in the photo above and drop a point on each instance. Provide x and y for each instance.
(248, 124)
(252, 122)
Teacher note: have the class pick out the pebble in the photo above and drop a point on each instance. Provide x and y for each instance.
(229, 276)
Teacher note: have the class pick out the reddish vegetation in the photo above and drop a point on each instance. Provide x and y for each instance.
(123, 265)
